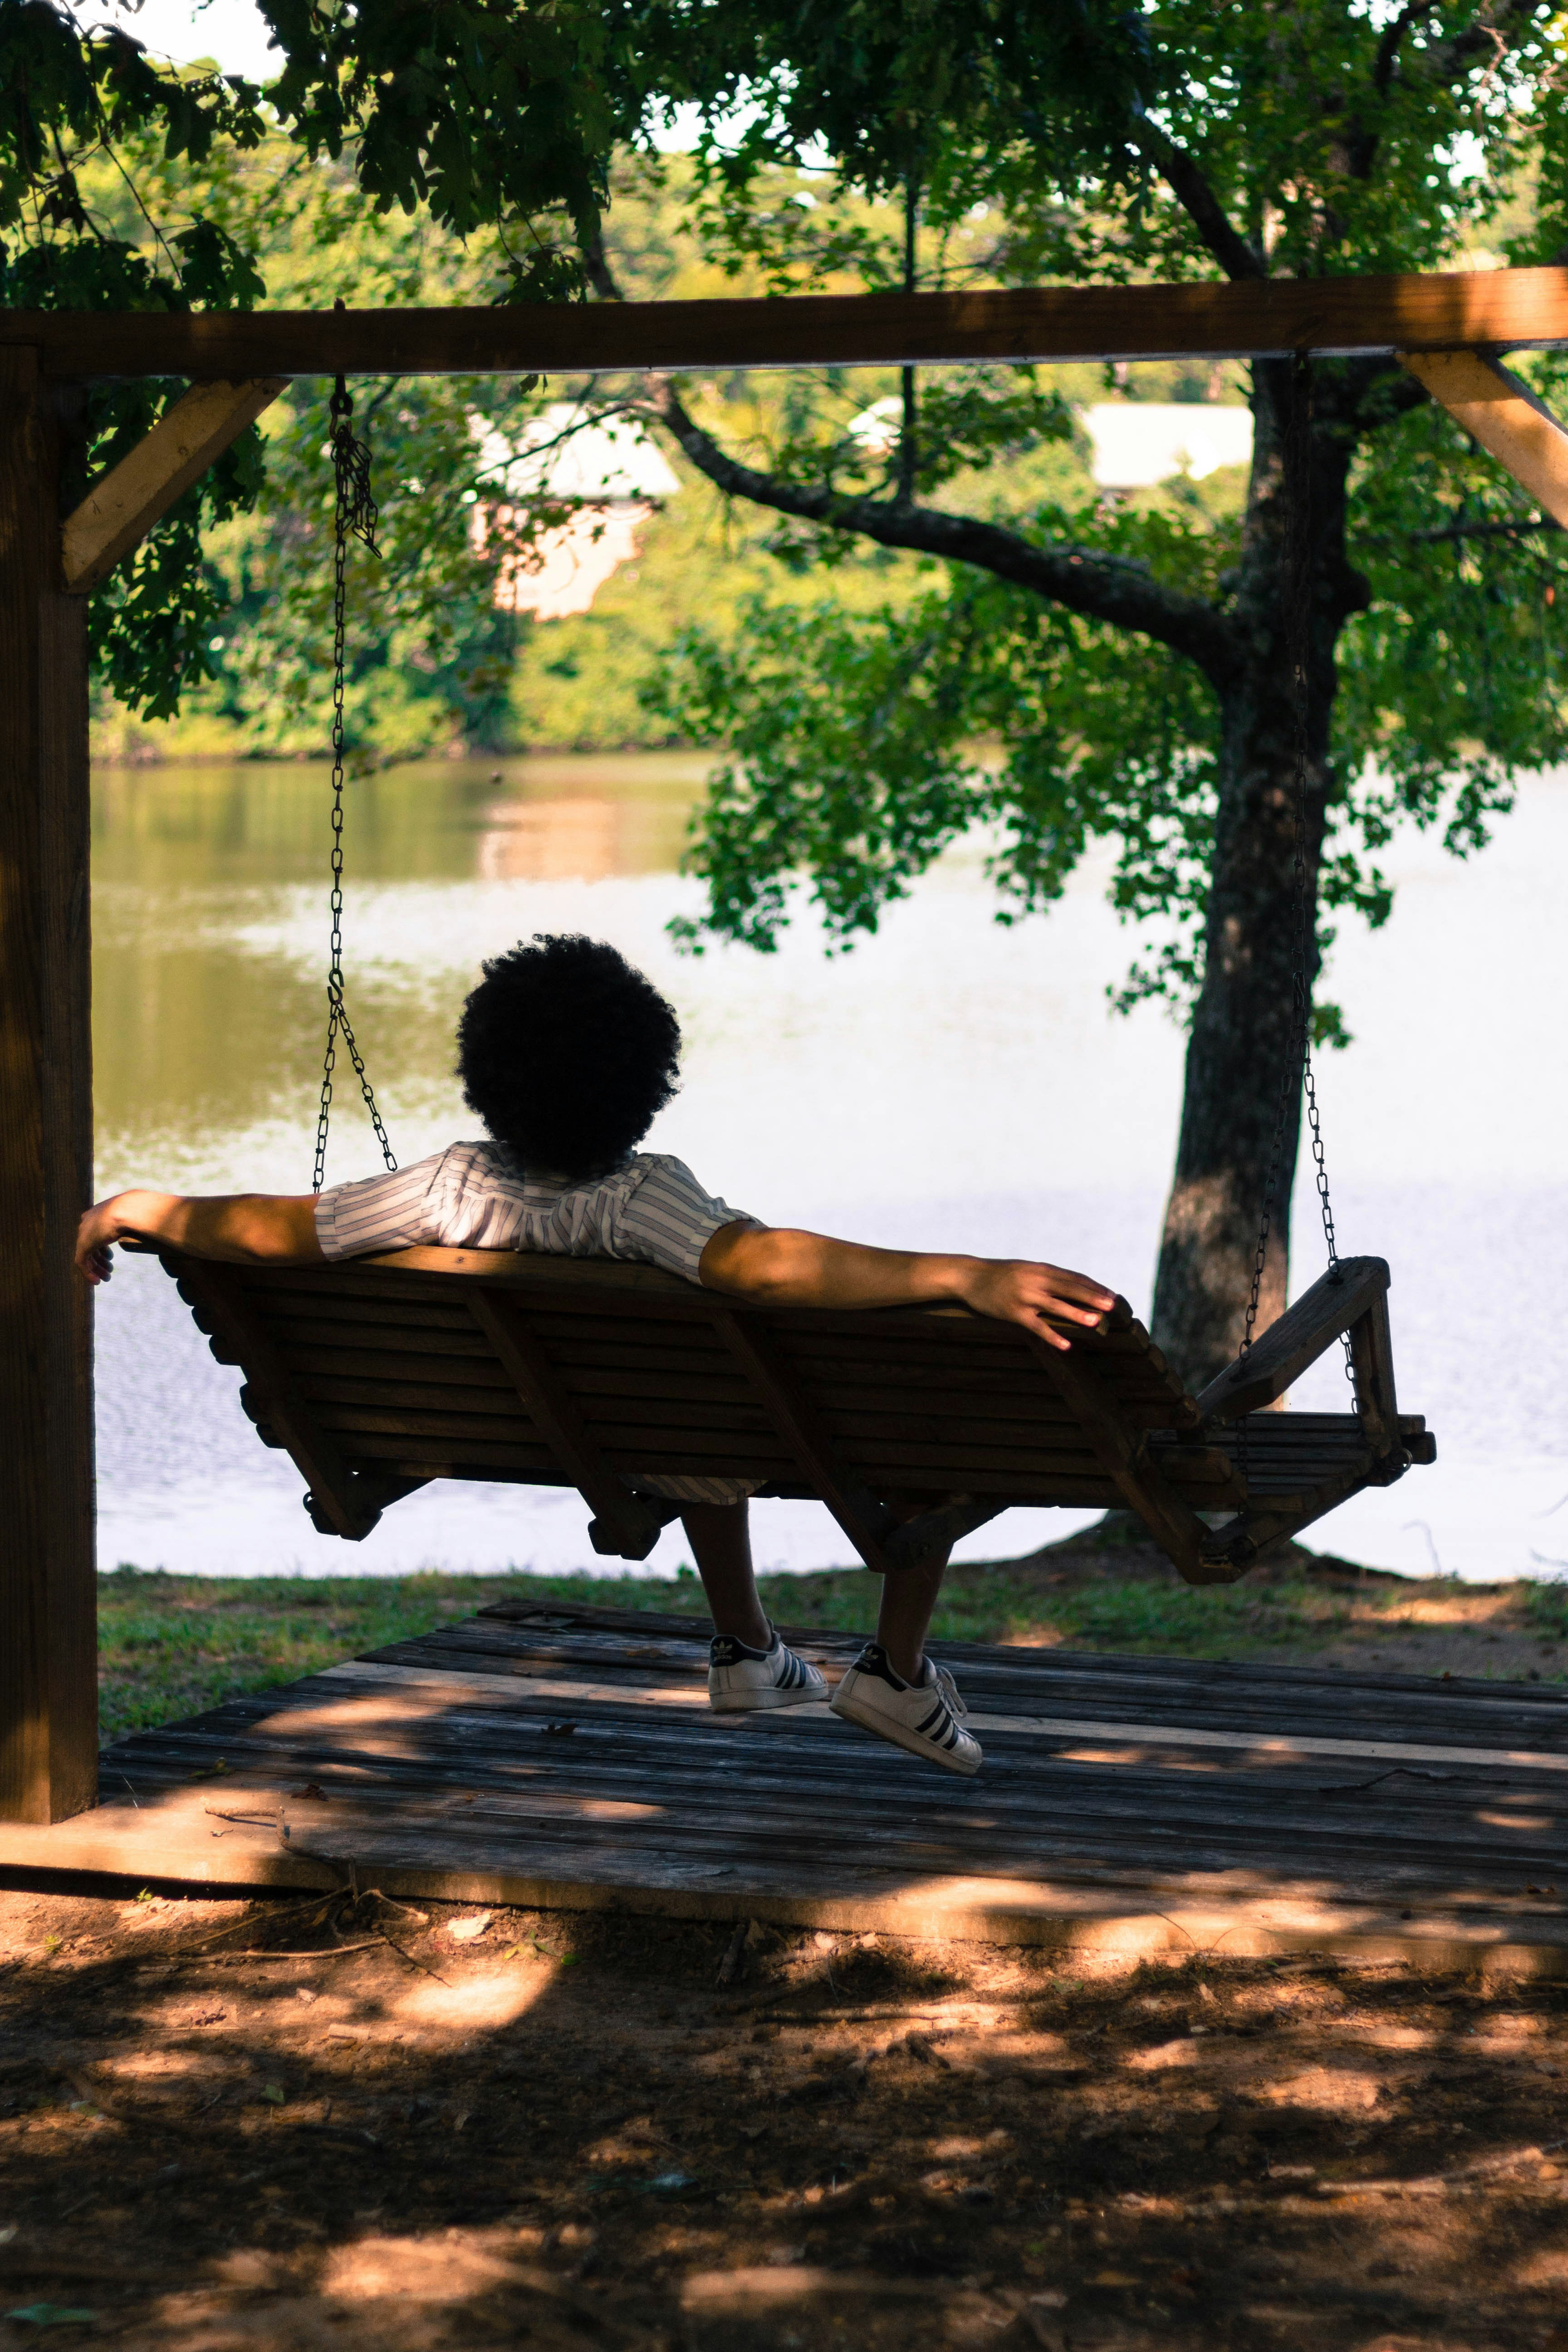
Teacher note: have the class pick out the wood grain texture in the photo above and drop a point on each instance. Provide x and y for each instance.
(1505, 309)
(118, 511)
(1297, 1338)
(1282, 1808)
(1504, 416)
(48, 1694)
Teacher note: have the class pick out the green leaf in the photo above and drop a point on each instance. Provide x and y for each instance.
(54, 2314)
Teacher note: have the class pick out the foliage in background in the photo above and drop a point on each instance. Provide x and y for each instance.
(386, 165)
(123, 186)
(848, 746)
(433, 665)
(69, 102)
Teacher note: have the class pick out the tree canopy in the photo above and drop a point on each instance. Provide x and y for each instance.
(122, 186)
(1084, 638)
(1128, 665)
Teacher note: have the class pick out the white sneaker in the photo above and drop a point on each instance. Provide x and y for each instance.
(741, 1680)
(922, 1717)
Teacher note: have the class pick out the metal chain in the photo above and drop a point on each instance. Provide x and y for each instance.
(354, 516)
(1298, 1072)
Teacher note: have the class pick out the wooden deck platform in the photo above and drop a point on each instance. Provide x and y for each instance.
(566, 1757)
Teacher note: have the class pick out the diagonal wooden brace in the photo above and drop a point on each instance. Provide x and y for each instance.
(1504, 416)
(865, 1521)
(624, 1523)
(120, 510)
(1127, 1462)
(1336, 1302)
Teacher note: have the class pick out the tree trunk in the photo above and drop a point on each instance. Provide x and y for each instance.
(1243, 1054)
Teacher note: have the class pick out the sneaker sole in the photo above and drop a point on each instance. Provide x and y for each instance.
(761, 1702)
(909, 1741)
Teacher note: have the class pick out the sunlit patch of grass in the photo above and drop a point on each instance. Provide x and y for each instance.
(175, 1645)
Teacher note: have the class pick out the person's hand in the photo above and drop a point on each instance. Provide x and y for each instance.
(97, 1229)
(1015, 1290)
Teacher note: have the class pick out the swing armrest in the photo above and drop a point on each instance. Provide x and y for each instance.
(1336, 1302)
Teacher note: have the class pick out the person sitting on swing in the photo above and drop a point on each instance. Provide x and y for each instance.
(567, 1054)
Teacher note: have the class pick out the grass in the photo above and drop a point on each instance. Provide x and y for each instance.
(173, 1645)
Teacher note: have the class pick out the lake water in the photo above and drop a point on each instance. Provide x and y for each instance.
(949, 1083)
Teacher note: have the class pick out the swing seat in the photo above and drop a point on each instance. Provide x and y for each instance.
(915, 1425)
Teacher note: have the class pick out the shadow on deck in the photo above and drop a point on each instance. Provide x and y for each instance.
(566, 1757)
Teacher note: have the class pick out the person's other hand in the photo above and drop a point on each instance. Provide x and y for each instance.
(1016, 1290)
(97, 1229)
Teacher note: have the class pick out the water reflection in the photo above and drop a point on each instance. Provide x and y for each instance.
(201, 828)
(203, 1028)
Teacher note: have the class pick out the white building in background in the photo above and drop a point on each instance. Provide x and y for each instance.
(1138, 443)
(611, 473)
(615, 477)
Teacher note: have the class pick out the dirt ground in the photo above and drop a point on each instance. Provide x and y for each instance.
(222, 2131)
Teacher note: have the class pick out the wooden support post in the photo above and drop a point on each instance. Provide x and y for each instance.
(1504, 416)
(117, 512)
(48, 1666)
(1372, 1354)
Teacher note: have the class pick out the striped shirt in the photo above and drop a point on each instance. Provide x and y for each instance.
(472, 1196)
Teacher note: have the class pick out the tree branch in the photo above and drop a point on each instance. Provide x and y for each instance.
(1491, 31)
(1480, 37)
(1234, 254)
(1386, 63)
(1459, 530)
(1100, 587)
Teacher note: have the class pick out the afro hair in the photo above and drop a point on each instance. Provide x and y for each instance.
(567, 1053)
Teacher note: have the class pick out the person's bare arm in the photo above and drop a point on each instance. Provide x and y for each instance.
(239, 1227)
(789, 1268)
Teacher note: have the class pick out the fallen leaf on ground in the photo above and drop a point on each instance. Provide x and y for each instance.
(466, 1931)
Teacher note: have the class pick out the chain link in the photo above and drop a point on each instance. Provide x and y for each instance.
(1298, 1072)
(354, 516)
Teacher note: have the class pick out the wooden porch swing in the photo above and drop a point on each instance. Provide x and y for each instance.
(913, 1426)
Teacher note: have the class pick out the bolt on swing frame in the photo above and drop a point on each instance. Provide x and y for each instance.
(1443, 328)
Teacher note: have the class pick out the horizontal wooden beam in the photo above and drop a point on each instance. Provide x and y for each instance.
(1502, 309)
(117, 512)
(1505, 416)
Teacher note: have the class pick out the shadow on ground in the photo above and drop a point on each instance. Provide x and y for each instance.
(220, 2129)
